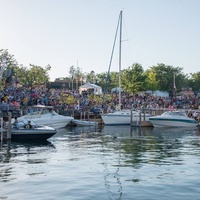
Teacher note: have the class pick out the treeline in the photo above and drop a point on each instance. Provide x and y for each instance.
(133, 79)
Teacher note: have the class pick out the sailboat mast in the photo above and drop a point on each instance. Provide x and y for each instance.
(120, 42)
(116, 34)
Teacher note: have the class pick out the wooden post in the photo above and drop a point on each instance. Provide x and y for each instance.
(81, 116)
(144, 115)
(88, 115)
(9, 125)
(84, 115)
(1, 128)
(131, 117)
(21, 112)
(140, 117)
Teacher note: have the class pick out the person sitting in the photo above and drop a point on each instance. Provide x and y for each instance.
(195, 115)
(28, 125)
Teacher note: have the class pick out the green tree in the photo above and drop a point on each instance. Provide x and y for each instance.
(114, 80)
(165, 76)
(72, 72)
(78, 76)
(152, 83)
(194, 81)
(72, 75)
(91, 77)
(7, 66)
(134, 79)
(21, 73)
(101, 79)
(34, 76)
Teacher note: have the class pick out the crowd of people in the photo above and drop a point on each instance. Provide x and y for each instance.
(21, 99)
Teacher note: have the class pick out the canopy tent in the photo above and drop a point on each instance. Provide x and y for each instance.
(116, 89)
(89, 86)
(161, 93)
(156, 93)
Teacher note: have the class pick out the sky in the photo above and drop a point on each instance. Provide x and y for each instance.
(80, 33)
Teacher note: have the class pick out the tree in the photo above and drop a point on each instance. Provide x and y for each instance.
(194, 81)
(134, 79)
(91, 77)
(72, 73)
(78, 76)
(21, 73)
(114, 80)
(165, 76)
(101, 79)
(34, 76)
(7, 66)
(152, 83)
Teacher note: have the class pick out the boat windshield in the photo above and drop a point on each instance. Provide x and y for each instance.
(21, 124)
(43, 112)
(175, 113)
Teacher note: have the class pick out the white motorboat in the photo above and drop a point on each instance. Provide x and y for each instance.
(46, 116)
(123, 117)
(21, 132)
(173, 119)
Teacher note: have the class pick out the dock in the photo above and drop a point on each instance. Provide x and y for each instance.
(141, 120)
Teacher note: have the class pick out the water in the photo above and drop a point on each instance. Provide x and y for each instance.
(110, 162)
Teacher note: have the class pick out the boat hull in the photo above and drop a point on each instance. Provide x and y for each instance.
(159, 122)
(31, 137)
(55, 122)
(39, 133)
(34, 132)
(121, 118)
(116, 119)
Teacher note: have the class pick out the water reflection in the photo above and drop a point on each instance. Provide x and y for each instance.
(16, 152)
(115, 160)
(125, 147)
(152, 145)
(139, 145)
(127, 133)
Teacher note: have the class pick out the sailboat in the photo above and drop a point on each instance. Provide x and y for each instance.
(121, 117)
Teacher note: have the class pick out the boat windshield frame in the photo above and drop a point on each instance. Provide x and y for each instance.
(46, 112)
(21, 124)
(175, 113)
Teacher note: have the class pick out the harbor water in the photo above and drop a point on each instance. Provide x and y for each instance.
(104, 163)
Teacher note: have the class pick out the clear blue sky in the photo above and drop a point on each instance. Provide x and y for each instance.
(63, 33)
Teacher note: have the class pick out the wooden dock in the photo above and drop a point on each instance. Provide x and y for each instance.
(141, 120)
